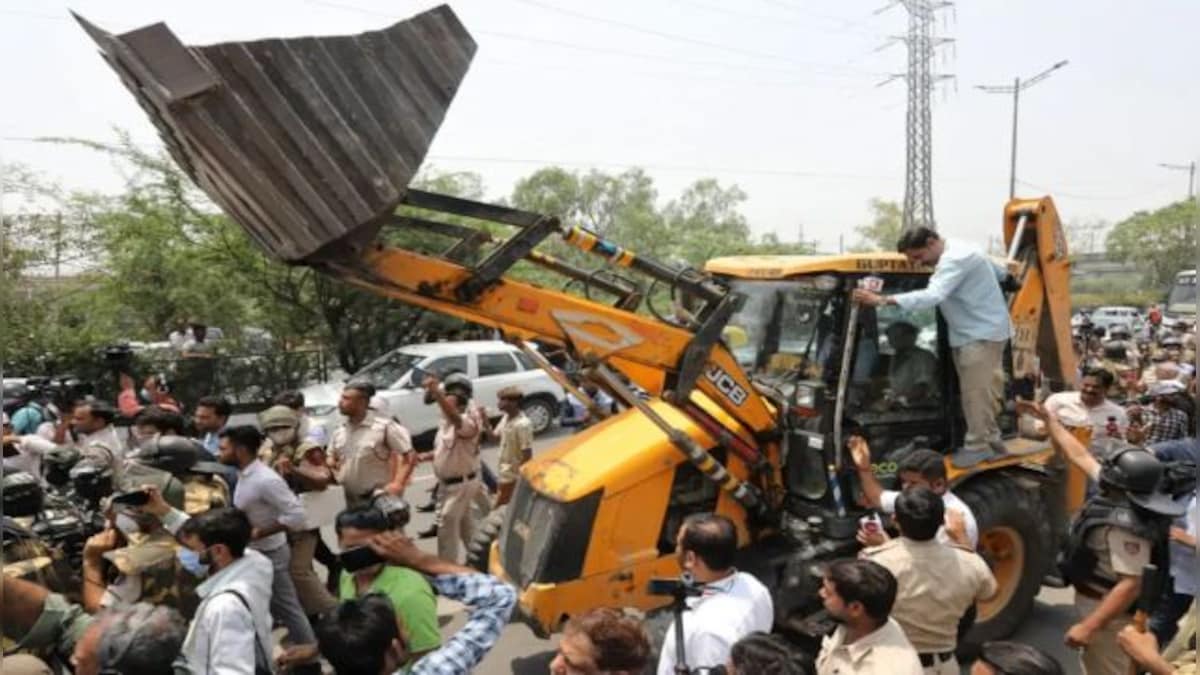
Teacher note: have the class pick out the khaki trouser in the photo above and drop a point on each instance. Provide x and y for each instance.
(1102, 656)
(457, 519)
(313, 595)
(981, 386)
(943, 667)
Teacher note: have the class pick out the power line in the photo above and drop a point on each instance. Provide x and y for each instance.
(848, 72)
(775, 19)
(667, 36)
(832, 69)
(672, 76)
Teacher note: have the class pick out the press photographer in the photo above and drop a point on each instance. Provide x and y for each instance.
(724, 605)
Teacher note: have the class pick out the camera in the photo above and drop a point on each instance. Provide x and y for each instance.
(394, 508)
(683, 587)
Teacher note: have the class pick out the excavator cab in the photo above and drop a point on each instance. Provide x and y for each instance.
(310, 144)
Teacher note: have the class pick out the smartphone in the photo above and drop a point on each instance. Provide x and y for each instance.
(354, 559)
(132, 498)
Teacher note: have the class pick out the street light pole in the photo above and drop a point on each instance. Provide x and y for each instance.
(1190, 167)
(1012, 168)
(1015, 89)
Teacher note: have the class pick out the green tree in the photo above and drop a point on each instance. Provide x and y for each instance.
(882, 233)
(1159, 243)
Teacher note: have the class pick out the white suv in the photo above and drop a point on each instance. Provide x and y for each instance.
(1111, 317)
(491, 365)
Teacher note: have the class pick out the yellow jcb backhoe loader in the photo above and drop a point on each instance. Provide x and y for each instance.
(310, 145)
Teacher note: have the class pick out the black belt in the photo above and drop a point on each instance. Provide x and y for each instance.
(928, 659)
(459, 479)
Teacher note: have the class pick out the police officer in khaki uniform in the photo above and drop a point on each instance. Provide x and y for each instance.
(937, 582)
(1121, 528)
(369, 451)
(302, 465)
(515, 436)
(456, 465)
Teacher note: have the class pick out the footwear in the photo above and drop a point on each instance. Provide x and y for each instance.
(965, 458)
(427, 507)
(429, 533)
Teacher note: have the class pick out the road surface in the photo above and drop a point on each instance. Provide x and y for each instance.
(521, 653)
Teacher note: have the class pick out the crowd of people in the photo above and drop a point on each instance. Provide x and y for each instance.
(1140, 390)
(212, 531)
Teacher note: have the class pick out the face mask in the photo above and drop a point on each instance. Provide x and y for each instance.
(282, 437)
(127, 525)
(193, 562)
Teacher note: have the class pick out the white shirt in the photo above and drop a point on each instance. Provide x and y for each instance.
(221, 637)
(1069, 408)
(887, 504)
(106, 446)
(729, 610)
(267, 500)
(30, 450)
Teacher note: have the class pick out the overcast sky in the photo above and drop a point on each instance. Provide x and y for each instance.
(777, 96)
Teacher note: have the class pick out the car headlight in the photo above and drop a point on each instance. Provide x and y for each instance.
(320, 410)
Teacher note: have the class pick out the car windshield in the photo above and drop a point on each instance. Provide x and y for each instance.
(1183, 292)
(386, 371)
(14, 389)
(783, 325)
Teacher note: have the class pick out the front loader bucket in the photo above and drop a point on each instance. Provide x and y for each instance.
(308, 142)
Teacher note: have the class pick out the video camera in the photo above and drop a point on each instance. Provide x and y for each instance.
(682, 587)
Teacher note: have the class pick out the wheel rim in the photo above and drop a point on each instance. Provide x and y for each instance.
(1004, 550)
(539, 415)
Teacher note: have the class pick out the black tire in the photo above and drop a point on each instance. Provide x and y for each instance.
(541, 412)
(1016, 540)
(481, 544)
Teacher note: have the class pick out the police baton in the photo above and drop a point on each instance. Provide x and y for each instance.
(1151, 585)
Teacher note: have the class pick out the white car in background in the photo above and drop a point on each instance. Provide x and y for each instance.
(491, 365)
(1111, 317)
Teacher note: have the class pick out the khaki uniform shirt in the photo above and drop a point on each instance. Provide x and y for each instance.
(456, 450)
(1118, 552)
(516, 436)
(937, 584)
(884, 652)
(365, 450)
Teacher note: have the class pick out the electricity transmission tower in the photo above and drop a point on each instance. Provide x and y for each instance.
(921, 79)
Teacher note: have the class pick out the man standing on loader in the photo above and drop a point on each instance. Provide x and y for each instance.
(965, 286)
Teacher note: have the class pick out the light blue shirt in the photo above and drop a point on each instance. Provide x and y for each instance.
(1185, 568)
(965, 286)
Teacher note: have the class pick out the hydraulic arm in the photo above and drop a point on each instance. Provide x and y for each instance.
(310, 145)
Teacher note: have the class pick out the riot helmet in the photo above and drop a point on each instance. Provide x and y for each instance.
(1139, 474)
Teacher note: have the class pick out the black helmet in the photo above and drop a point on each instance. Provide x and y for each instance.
(459, 381)
(92, 480)
(1139, 475)
(174, 454)
(58, 462)
(23, 494)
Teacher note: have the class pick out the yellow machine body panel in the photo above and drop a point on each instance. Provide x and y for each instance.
(784, 266)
